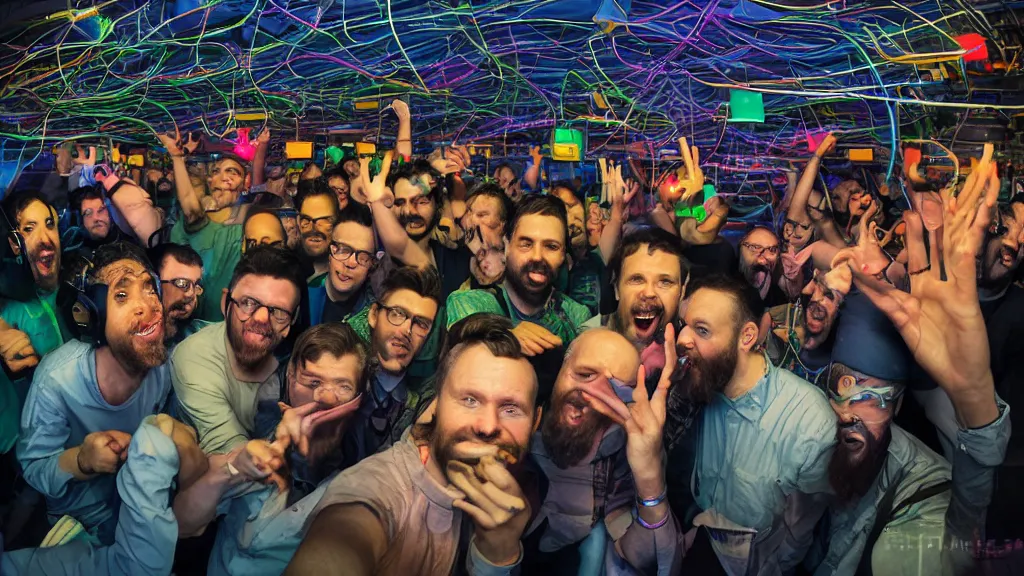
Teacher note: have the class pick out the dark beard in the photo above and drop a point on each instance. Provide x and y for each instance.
(136, 361)
(851, 477)
(532, 295)
(705, 377)
(805, 301)
(249, 357)
(404, 220)
(567, 445)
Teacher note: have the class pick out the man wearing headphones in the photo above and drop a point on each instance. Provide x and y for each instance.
(30, 329)
(87, 399)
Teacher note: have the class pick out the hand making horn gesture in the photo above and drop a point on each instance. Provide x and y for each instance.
(940, 319)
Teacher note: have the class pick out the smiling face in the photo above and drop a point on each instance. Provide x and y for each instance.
(95, 218)
(864, 406)
(37, 224)
(414, 207)
(572, 426)
(253, 337)
(226, 182)
(484, 400)
(134, 326)
(178, 304)
(396, 346)
(648, 288)
(533, 255)
(348, 276)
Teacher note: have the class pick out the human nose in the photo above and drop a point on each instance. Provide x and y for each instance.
(685, 338)
(261, 314)
(648, 289)
(486, 424)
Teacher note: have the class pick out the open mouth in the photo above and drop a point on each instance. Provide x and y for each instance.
(45, 260)
(149, 332)
(574, 411)
(1007, 257)
(646, 322)
(537, 277)
(852, 440)
(399, 348)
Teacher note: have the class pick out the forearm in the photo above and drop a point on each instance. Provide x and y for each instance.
(611, 234)
(458, 189)
(798, 207)
(138, 209)
(196, 507)
(645, 548)
(977, 408)
(187, 198)
(662, 220)
(259, 163)
(532, 176)
(404, 144)
(68, 462)
(978, 453)
(396, 242)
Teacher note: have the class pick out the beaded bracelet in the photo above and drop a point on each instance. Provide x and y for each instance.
(652, 502)
(654, 526)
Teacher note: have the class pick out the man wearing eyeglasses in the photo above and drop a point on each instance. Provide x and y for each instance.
(223, 371)
(397, 325)
(181, 279)
(353, 249)
(758, 264)
(318, 212)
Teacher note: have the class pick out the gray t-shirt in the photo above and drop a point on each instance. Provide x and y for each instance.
(221, 407)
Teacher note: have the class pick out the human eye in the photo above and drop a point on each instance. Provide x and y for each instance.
(27, 229)
(121, 297)
(585, 375)
(667, 283)
(525, 244)
(702, 331)
(470, 402)
(635, 279)
(512, 411)
(553, 246)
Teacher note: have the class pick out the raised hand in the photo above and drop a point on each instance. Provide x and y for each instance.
(264, 137)
(868, 253)
(704, 233)
(103, 452)
(401, 109)
(496, 504)
(827, 146)
(940, 319)
(374, 189)
(536, 155)
(694, 180)
(86, 158)
(260, 461)
(176, 147)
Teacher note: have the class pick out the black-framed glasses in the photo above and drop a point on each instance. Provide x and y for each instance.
(89, 211)
(248, 306)
(251, 243)
(185, 285)
(397, 316)
(308, 223)
(759, 250)
(343, 252)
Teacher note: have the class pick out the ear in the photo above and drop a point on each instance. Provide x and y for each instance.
(615, 288)
(371, 318)
(14, 245)
(224, 303)
(537, 419)
(749, 336)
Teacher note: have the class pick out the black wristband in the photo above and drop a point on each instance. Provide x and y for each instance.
(78, 461)
(113, 189)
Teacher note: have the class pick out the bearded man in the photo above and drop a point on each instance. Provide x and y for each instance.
(222, 371)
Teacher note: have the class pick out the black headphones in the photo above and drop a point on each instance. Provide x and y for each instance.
(88, 309)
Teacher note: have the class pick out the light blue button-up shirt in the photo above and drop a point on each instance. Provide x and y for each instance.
(758, 455)
(64, 405)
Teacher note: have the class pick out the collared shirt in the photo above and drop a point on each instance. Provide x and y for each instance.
(599, 490)
(65, 405)
(221, 407)
(562, 316)
(375, 426)
(758, 452)
(933, 534)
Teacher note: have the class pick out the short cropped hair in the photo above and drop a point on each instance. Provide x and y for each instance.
(749, 306)
(273, 262)
(181, 252)
(656, 239)
(540, 205)
(335, 338)
(412, 170)
(107, 254)
(17, 204)
(424, 282)
(318, 187)
(491, 190)
(490, 330)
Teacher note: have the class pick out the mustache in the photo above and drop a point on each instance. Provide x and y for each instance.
(405, 220)
(261, 328)
(180, 305)
(45, 245)
(314, 234)
(648, 305)
(538, 266)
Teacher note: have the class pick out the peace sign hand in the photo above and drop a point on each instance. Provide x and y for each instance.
(374, 189)
(694, 181)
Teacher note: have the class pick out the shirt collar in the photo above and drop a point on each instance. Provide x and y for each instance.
(752, 404)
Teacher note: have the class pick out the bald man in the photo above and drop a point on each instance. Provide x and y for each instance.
(586, 520)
